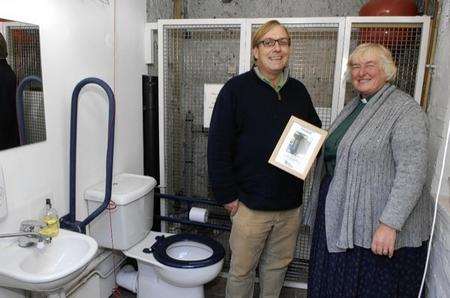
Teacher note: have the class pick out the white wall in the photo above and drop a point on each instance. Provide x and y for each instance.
(439, 115)
(79, 39)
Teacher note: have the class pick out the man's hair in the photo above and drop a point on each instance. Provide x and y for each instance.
(387, 63)
(266, 27)
(3, 47)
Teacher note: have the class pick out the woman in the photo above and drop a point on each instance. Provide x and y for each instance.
(371, 220)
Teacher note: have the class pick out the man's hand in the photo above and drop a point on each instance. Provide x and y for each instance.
(232, 207)
(383, 241)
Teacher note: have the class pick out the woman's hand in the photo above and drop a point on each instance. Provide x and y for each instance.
(383, 241)
(232, 207)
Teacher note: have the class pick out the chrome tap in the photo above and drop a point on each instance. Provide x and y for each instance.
(29, 233)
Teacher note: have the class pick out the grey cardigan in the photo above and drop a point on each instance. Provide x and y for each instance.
(380, 173)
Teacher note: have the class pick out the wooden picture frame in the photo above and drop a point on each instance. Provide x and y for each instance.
(298, 147)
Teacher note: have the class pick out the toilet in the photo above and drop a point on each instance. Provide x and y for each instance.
(168, 265)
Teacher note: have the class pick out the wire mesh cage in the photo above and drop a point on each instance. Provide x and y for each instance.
(194, 55)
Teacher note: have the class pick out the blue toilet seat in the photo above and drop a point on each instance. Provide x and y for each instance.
(159, 250)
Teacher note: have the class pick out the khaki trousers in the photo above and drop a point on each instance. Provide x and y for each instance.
(265, 236)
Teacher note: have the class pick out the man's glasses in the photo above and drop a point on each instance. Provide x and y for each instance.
(269, 42)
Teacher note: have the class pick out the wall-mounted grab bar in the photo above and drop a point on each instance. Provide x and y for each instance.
(20, 107)
(68, 221)
(190, 201)
(187, 199)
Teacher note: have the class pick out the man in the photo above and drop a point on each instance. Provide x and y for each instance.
(9, 129)
(249, 116)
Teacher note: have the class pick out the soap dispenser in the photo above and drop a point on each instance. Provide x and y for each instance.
(50, 219)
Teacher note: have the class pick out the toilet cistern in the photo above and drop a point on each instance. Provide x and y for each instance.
(178, 265)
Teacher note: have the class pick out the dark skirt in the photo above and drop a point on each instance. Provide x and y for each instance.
(358, 272)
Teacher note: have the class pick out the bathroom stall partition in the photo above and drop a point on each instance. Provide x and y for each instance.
(196, 57)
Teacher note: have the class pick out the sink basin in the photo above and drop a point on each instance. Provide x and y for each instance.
(45, 269)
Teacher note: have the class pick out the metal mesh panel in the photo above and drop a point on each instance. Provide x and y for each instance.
(313, 61)
(24, 52)
(403, 40)
(24, 56)
(34, 116)
(193, 56)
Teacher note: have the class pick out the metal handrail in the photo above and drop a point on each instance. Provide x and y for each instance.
(68, 221)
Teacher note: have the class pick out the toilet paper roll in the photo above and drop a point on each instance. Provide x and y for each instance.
(127, 278)
(198, 214)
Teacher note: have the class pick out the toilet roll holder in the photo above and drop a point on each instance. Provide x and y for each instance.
(191, 202)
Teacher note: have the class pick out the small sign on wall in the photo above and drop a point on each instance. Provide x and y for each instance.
(210, 96)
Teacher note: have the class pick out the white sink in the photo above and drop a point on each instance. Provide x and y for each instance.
(45, 269)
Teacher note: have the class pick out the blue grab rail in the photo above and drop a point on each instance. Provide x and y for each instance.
(189, 201)
(68, 221)
(19, 105)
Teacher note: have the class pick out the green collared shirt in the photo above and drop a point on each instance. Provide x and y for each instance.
(282, 79)
(333, 140)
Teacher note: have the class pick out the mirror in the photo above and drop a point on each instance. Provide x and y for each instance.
(22, 117)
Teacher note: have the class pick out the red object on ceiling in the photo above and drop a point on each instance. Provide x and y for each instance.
(387, 36)
(389, 8)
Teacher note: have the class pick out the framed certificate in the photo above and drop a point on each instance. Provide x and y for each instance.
(298, 147)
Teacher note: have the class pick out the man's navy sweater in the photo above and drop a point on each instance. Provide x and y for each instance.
(248, 119)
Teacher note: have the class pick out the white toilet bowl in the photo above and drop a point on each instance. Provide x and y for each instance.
(169, 266)
(175, 265)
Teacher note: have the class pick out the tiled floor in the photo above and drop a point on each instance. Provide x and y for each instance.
(216, 289)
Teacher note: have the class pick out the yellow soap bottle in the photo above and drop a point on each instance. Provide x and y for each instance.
(50, 219)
